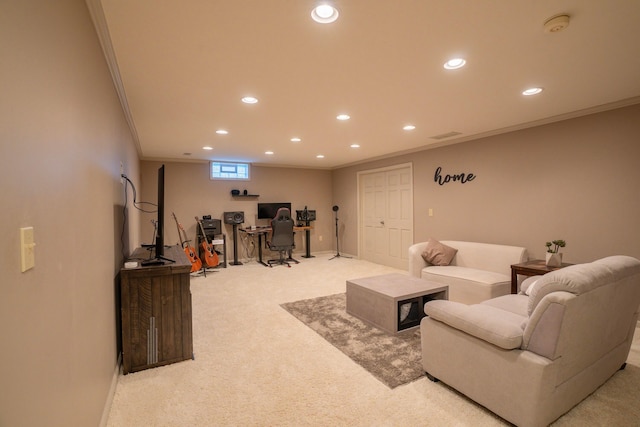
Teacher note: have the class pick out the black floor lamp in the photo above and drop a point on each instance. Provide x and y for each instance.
(337, 255)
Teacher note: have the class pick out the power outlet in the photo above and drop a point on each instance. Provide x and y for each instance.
(121, 173)
(319, 238)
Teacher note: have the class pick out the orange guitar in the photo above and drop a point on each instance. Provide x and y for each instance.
(196, 264)
(210, 255)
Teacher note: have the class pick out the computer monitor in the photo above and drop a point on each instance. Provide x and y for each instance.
(269, 210)
(305, 215)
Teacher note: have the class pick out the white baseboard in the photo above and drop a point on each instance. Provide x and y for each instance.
(112, 392)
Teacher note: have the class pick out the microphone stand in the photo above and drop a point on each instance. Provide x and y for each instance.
(337, 255)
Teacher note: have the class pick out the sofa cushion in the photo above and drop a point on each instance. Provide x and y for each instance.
(487, 256)
(436, 253)
(464, 273)
(513, 303)
(499, 327)
(468, 285)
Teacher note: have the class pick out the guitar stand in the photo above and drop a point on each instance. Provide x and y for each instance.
(204, 270)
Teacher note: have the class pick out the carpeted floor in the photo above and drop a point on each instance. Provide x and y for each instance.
(257, 365)
(393, 359)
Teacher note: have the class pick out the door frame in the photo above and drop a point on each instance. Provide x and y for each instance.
(360, 201)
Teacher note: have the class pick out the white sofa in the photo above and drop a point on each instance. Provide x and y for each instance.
(478, 271)
(532, 358)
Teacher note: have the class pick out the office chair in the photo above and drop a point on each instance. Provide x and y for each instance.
(282, 237)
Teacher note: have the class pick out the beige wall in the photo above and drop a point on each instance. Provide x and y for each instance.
(189, 193)
(575, 180)
(62, 138)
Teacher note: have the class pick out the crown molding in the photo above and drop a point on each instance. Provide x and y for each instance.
(102, 30)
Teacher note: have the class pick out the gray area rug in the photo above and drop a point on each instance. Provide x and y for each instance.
(393, 359)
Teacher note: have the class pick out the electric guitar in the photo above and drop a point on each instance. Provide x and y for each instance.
(210, 255)
(196, 264)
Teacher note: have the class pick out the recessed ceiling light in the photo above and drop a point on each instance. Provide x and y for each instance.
(532, 91)
(222, 132)
(296, 139)
(250, 100)
(206, 147)
(324, 13)
(268, 153)
(409, 127)
(320, 156)
(355, 146)
(454, 64)
(343, 117)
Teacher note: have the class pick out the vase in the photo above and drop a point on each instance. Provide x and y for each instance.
(554, 260)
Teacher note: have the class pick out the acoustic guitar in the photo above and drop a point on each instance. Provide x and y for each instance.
(210, 255)
(196, 264)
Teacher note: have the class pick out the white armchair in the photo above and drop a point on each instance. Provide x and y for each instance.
(532, 358)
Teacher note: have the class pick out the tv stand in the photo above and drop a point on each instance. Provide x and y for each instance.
(156, 312)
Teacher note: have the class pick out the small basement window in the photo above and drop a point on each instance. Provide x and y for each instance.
(230, 171)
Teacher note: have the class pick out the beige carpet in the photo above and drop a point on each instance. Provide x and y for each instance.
(257, 365)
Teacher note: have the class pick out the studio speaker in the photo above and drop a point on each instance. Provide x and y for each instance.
(233, 217)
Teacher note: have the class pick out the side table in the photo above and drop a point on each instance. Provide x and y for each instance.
(535, 267)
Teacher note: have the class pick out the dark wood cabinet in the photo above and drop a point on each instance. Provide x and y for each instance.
(156, 312)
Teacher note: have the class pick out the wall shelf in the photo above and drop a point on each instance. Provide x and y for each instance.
(240, 196)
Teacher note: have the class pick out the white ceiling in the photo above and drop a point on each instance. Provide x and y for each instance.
(182, 67)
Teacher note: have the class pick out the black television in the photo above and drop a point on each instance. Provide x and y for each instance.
(269, 210)
(160, 217)
(159, 257)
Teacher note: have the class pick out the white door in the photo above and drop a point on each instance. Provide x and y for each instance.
(386, 215)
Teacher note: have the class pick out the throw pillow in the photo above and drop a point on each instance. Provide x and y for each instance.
(437, 253)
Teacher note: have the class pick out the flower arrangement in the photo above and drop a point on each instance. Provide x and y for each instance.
(557, 244)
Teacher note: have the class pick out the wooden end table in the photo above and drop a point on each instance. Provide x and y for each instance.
(535, 267)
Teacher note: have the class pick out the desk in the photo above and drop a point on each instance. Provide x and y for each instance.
(307, 233)
(535, 267)
(263, 231)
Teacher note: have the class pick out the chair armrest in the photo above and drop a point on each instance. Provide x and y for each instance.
(416, 262)
(490, 324)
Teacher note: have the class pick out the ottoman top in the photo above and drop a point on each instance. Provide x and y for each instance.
(397, 285)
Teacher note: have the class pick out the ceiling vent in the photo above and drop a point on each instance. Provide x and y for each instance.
(445, 135)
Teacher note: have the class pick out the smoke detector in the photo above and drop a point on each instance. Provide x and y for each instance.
(556, 24)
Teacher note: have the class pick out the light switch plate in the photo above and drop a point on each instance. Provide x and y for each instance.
(27, 249)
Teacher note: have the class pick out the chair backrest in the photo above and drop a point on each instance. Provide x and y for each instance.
(584, 313)
(282, 230)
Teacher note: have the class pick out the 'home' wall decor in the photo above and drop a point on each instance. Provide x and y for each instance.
(461, 177)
